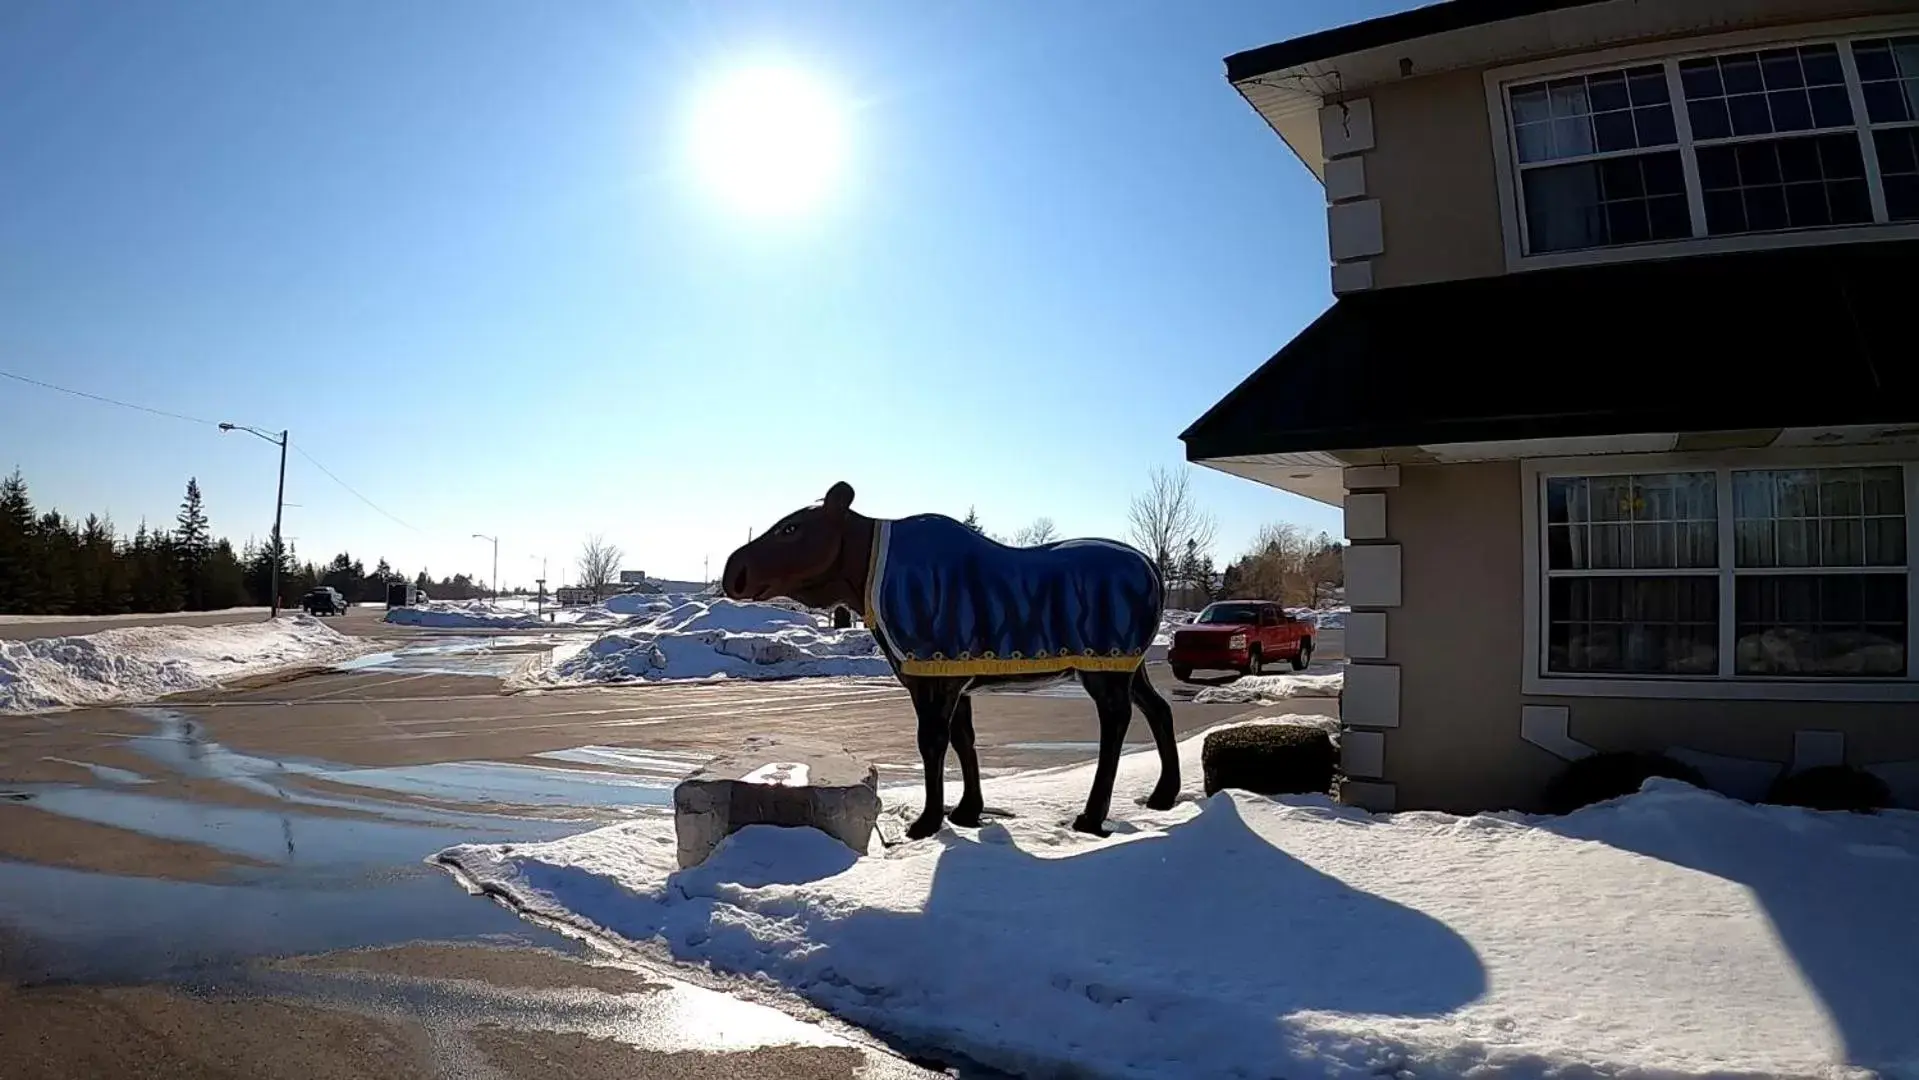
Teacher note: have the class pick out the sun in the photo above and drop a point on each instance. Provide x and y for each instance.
(769, 140)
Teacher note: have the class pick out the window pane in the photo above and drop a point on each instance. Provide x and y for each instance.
(1637, 625)
(1530, 105)
(1821, 65)
(1647, 521)
(1655, 126)
(1572, 138)
(1885, 102)
(1830, 106)
(1749, 115)
(1603, 113)
(1614, 131)
(1608, 92)
(1709, 119)
(1899, 167)
(1791, 110)
(1649, 85)
(1777, 90)
(1875, 60)
(1882, 490)
(1795, 183)
(1601, 203)
(1821, 624)
(1740, 72)
(1780, 68)
(1889, 78)
(1843, 517)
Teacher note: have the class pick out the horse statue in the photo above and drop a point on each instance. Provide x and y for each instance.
(955, 612)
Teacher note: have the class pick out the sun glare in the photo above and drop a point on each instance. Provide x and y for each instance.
(769, 141)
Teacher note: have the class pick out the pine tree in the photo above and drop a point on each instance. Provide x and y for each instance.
(972, 520)
(192, 543)
(225, 578)
(18, 572)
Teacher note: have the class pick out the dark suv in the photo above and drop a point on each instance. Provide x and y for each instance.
(325, 600)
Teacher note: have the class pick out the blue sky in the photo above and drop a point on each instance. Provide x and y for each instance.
(462, 253)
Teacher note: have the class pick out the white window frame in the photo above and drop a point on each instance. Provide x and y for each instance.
(1506, 158)
(1536, 680)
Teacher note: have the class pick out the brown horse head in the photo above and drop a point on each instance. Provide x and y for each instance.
(818, 555)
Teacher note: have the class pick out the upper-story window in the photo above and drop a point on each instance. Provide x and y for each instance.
(1808, 136)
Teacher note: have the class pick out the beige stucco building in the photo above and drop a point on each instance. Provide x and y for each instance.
(1619, 388)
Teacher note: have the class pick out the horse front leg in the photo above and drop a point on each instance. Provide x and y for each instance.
(933, 701)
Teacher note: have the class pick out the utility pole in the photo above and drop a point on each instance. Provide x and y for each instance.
(279, 505)
(496, 563)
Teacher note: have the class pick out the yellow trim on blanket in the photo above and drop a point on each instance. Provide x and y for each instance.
(1020, 667)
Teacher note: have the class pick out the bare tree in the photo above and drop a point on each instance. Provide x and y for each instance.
(599, 564)
(1166, 520)
(1041, 531)
(1288, 565)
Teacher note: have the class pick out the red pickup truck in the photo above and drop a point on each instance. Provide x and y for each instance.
(1242, 636)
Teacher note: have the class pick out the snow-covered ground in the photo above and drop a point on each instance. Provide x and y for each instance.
(711, 638)
(1671, 933)
(1268, 689)
(142, 663)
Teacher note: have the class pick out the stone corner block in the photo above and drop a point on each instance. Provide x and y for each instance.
(776, 782)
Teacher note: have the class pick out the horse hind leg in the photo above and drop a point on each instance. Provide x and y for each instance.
(1110, 693)
(966, 812)
(1159, 717)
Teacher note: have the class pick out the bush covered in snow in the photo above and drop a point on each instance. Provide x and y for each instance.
(1832, 787)
(1601, 777)
(1269, 759)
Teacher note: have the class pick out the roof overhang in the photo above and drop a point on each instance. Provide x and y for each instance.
(1805, 345)
(1288, 82)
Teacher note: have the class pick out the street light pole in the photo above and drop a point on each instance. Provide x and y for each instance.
(496, 563)
(279, 506)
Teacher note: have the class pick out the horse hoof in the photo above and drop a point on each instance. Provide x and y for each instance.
(966, 817)
(1087, 825)
(1162, 800)
(923, 827)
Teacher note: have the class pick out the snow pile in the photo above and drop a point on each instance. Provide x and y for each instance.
(1332, 618)
(1269, 689)
(1671, 933)
(1170, 620)
(466, 615)
(147, 662)
(712, 638)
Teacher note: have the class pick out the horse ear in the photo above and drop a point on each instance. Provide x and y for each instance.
(839, 497)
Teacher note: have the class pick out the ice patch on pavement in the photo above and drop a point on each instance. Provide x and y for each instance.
(711, 638)
(1268, 689)
(1671, 933)
(142, 663)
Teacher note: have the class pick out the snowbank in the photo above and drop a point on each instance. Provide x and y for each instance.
(1672, 933)
(711, 638)
(1269, 689)
(466, 615)
(147, 662)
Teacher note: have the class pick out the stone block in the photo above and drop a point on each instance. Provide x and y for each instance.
(776, 781)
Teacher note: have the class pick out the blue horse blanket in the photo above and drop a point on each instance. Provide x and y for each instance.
(948, 601)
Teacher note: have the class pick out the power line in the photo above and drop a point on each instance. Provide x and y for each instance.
(349, 487)
(107, 400)
(209, 423)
